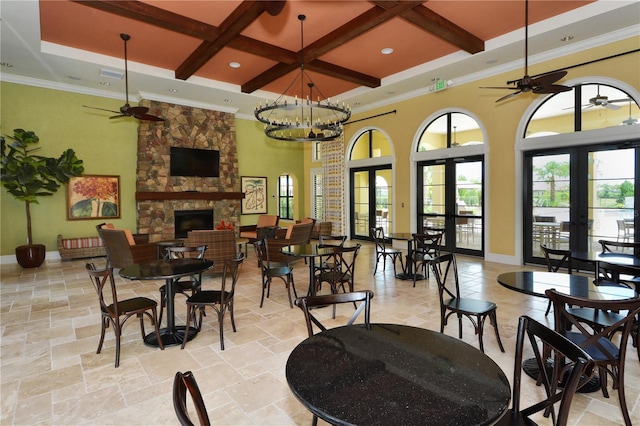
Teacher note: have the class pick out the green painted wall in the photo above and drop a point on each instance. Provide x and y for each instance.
(108, 147)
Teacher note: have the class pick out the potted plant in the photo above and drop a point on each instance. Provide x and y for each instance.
(28, 176)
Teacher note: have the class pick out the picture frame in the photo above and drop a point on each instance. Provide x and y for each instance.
(255, 194)
(93, 197)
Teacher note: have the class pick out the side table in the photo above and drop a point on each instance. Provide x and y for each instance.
(162, 247)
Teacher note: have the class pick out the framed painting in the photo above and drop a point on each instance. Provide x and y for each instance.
(93, 197)
(255, 194)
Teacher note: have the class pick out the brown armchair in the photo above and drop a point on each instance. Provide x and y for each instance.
(299, 233)
(264, 221)
(221, 246)
(122, 249)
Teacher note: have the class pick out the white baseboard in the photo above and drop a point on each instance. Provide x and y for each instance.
(11, 258)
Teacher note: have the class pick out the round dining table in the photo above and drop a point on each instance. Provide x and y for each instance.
(396, 374)
(311, 252)
(168, 270)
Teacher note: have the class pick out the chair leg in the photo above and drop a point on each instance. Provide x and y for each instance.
(116, 328)
(163, 302)
(548, 309)
(221, 326)
(265, 283)
(190, 312)
(493, 318)
(480, 331)
(105, 324)
(622, 399)
(233, 322)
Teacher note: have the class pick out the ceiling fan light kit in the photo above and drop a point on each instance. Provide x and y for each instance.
(299, 119)
(139, 112)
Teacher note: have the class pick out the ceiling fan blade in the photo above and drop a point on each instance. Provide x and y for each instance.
(101, 109)
(551, 88)
(499, 87)
(547, 79)
(510, 95)
(119, 116)
(136, 110)
(611, 106)
(148, 117)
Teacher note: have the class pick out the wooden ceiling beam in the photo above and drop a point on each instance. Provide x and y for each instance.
(342, 73)
(247, 12)
(268, 76)
(439, 26)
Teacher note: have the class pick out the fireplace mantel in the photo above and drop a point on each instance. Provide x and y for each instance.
(160, 196)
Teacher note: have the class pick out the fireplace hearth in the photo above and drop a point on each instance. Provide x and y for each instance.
(191, 220)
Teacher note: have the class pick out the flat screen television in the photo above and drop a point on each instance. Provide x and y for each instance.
(194, 162)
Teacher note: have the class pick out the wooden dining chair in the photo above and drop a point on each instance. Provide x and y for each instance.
(220, 301)
(113, 309)
(383, 252)
(270, 270)
(187, 286)
(445, 270)
(425, 247)
(556, 259)
(592, 325)
(308, 303)
(572, 367)
(184, 383)
(324, 263)
(343, 273)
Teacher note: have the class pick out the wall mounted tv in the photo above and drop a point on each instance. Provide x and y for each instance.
(194, 162)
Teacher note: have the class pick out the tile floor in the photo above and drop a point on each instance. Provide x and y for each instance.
(50, 373)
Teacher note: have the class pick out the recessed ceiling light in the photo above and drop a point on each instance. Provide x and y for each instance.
(567, 38)
(234, 64)
(491, 61)
(387, 51)
(173, 90)
(117, 75)
(73, 77)
(105, 83)
(228, 101)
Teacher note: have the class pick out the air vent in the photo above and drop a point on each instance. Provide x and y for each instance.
(117, 75)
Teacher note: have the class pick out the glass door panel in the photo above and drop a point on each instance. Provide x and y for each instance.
(551, 192)
(611, 186)
(384, 206)
(469, 218)
(360, 204)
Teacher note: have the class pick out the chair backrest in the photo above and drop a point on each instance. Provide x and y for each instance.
(428, 243)
(299, 233)
(196, 252)
(557, 259)
(324, 228)
(230, 272)
(377, 235)
(308, 302)
(221, 245)
(616, 274)
(619, 247)
(445, 269)
(267, 220)
(331, 240)
(345, 257)
(262, 253)
(578, 371)
(183, 383)
(117, 246)
(595, 340)
(99, 279)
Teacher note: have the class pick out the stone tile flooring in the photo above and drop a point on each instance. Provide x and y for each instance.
(50, 373)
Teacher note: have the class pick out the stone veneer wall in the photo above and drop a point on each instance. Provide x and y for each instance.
(190, 128)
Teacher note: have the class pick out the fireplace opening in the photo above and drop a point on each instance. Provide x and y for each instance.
(191, 220)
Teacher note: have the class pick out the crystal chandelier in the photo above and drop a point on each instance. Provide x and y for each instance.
(302, 120)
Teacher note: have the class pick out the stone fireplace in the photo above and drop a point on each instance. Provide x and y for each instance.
(191, 220)
(158, 194)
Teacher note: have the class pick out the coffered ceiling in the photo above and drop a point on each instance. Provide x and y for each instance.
(230, 54)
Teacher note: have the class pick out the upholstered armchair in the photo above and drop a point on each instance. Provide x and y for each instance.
(122, 249)
(299, 233)
(221, 246)
(264, 221)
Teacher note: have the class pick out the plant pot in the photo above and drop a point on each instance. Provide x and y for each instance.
(31, 255)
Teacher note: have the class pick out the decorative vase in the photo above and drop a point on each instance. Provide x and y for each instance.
(31, 255)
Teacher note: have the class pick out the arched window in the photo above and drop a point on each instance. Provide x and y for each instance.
(588, 106)
(450, 130)
(371, 144)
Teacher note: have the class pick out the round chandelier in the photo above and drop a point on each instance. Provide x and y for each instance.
(302, 120)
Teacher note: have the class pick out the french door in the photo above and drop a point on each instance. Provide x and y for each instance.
(371, 200)
(451, 198)
(576, 196)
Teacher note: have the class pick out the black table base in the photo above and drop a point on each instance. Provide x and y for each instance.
(530, 368)
(170, 338)
(408, 276)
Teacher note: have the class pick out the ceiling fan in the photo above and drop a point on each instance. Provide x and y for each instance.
(542, 83)
(127, 110)
(603, 101)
